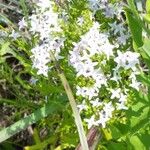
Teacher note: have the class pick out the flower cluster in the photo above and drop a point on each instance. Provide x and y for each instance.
(41, 55)
(104, 115)
(112, 11)
(44, 23)
(104, 72)
(91, 44)
(109, 9)
(90, 58)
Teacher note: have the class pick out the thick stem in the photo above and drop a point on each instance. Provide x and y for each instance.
(77, 117)
(72, 102)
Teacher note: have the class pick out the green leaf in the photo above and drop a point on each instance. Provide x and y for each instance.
(22, 82)
(123, 128)
(36, 136)
(145, 79)
(5, 49)
(136, 143)
(24, 7)
(25, 122)
(138, 122)
(148, 6)
(143, 137)
(131, 5)
(145, 52)
(42, 145)
(141, 98)
(46, 87)
(147, 18)
(132, 13)
(6, 146)
(114, 146)
(135, 28)
(146, 47)
(115, 132)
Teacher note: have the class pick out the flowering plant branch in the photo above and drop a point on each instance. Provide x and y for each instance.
(90, 52)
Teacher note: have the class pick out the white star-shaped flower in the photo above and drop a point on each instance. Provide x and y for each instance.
(115, 93)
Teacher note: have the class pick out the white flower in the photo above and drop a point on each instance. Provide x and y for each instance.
(107, 49)
(90, 44)
(115, 93)
(121, 30)
(80, 21)
(82, 106)
(108, 109)
(135, 84)
(94, 42)
(102, 120)
(105, 114)
(116, 76)
(122, 39)
(41, 55)
(90, 122)
(44, 23)
(41, 58)
(122, 98)
(104, 1)
(96, 102)
(109, 11)
(87, 92)
(43, 4)
(127, 60)
(117, 28)
(86, 69)
(22, 24)
(122, 102)
(121, 106)
(100, 78)
(14, 34)
(43, 69)
(94, 5)
(33, 80)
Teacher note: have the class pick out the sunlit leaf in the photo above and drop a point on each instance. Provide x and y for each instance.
(148, 6)
(136, 143)
(25, 122)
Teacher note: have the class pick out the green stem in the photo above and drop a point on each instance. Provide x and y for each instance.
(72, 102)
(77, 117)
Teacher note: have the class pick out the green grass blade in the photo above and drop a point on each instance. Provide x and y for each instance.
(25, 122)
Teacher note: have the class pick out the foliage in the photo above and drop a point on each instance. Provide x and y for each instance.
(102, 51)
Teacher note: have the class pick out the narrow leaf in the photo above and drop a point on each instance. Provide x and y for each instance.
(25, 122)
(135, 28)
(148, 6)
(146, 47)
(136, 143)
